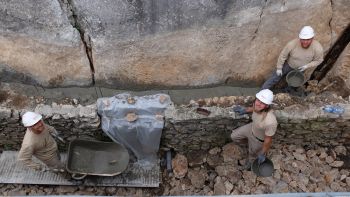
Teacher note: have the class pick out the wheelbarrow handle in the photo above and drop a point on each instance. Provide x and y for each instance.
(77, 177)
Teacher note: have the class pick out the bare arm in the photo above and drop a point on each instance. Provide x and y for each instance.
(267, 144)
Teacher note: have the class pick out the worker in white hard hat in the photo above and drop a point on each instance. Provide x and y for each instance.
(260, 131)
(302, 54)
(38, 142)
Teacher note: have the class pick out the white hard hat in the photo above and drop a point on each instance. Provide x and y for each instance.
(30, 118)
(265, 96)
(306, 33)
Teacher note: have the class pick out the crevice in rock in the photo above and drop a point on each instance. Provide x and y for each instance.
(330, 21)
(332, 55)
(260, 19)
(74, 19)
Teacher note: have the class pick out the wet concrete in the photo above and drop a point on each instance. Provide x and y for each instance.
(88, 95)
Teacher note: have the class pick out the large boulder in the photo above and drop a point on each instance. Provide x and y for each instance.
(160, 43)
(194, 43)
(38, 45)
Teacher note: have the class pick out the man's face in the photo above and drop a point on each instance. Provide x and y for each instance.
(258, 105)
(38, 127)
(305, 43)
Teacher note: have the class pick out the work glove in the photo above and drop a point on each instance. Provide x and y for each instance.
(261, 158)
(279, 72)
(303, 68)
(240, 110)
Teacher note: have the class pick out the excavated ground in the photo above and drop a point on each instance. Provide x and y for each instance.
(220, 170)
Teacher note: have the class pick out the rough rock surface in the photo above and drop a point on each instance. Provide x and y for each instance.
(39, 45)
(140, 44)
(338, 77)
(216, 43)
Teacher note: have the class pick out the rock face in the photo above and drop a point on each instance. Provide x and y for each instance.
(39, 45)
(191, 43)
(159, 43)
(339, 75)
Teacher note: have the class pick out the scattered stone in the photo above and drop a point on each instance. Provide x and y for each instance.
(198, 177)
(347, 180)
(111, 190)
(231, 152)
(66, 189)
(228, 187)
(196, 158)
(215, 151)
(281, 187)
(311, 153)
(337, 164)
(340, 150)
(219, 187)
(323, 155)
(180, 166)
(329, 159)
(299, 156)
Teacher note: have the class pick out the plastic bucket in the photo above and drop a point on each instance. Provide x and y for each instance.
(295, 78)
(264, 169)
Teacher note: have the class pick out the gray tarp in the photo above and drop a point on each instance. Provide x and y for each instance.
(135, 122)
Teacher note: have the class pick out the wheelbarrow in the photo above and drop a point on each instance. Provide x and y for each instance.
(98, 158)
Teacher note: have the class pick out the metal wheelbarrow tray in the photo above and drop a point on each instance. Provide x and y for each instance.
(87, 157)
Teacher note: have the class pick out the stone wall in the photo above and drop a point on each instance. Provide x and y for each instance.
(304, 125)
(71, 121)
(185, 129)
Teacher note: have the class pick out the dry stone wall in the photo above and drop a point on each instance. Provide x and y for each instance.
(186, 130)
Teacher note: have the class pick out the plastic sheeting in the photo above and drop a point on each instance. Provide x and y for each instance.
(135, 122)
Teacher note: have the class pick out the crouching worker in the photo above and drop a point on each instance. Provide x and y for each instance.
(38, 142)
(260, 131)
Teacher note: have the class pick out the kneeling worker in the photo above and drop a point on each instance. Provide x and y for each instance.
(39, 143)
(260, 131)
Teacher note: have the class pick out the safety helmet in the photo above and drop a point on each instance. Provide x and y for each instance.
(306, 33)
(265, 96)
(30, 118)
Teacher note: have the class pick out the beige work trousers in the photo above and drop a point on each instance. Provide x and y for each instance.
(243, 133)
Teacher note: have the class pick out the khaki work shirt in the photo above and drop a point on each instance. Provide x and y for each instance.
(296, 56)
(264, 125)
(42, 146)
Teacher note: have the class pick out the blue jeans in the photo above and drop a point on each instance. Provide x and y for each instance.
(274, 79)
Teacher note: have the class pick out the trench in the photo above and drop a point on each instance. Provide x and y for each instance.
(309, 143)
(332, 55)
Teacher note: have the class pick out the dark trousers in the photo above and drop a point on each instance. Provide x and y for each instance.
(274, 79)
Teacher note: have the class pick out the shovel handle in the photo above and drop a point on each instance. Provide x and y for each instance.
(77, 177)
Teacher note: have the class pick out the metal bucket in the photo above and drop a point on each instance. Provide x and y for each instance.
(295, 78)
(264, 169)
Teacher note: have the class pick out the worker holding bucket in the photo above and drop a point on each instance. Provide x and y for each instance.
(260, 131)
(299, 55)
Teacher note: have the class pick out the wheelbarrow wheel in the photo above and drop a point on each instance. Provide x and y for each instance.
(77, 177)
